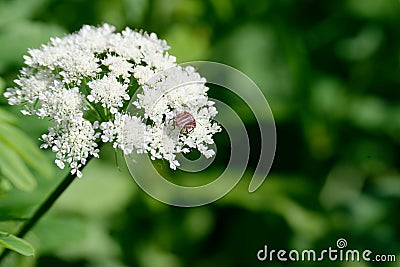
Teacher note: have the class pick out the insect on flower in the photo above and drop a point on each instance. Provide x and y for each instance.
(185, 121)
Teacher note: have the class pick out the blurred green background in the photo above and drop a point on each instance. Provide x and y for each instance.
(330, 71)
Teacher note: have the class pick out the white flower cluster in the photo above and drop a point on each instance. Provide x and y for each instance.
(168, 94)
(85, 81)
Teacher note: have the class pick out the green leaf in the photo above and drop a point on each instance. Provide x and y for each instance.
(13, 168)
(5, 186)
(6, 117)
(7, 217)
(15, 243)
(2, 85)
(26, 149)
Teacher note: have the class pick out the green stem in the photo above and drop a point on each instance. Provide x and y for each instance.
(46, 205)
(99, 116)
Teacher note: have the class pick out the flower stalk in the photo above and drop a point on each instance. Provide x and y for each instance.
(43, 208)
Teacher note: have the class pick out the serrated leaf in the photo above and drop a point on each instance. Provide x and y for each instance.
(15, 243)
(13, 168)
(26, 149)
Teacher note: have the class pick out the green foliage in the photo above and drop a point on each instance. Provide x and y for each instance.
(17, 152)
(14, 169)
(17, 244)
(26, 149)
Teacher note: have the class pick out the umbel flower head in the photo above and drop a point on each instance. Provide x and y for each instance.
(84, 82)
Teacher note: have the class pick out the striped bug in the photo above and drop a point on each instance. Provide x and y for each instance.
(185, 121)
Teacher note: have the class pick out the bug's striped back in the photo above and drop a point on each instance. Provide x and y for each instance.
(185, 121)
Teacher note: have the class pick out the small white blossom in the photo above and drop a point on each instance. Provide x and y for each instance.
(164, 140)
(60, 103)
(168, 94)
(72, 144)
(126, 132)
(118, 66)
(143, 73)
(109, 92)
(31, 84)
